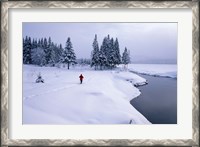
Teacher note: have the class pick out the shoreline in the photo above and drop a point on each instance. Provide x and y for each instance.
(152, 75)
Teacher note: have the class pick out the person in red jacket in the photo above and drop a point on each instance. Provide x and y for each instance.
(81, 78)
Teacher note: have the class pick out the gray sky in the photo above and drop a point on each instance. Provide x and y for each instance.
(147, 42)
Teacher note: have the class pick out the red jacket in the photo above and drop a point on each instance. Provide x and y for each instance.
(81, 77)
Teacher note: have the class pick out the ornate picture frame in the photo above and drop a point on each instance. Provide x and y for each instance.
(6, 5)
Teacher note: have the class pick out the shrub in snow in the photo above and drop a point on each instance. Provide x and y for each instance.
(39, 79)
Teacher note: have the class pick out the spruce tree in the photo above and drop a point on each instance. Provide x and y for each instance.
(23, 50)
(45, 44)
(39, 44)
(55, 54)
(102, 59)
(111, 53)
(68, 55)
(48, 47)
(104, 52)
(42, 43)
(38, 56)
(34, 44)
(49, 42)
(95, 53)
(27, 46)
(117, 52)
(126, 57)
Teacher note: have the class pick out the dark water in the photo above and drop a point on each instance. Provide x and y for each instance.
(158, 101)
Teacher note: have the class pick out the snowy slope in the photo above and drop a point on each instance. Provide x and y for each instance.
(162, 70)
(103, 98)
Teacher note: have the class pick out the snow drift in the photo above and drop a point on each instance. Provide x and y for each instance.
(103, 98)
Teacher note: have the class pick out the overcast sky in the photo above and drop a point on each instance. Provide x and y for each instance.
(147, 42)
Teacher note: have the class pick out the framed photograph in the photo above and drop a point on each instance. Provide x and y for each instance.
(99, 73)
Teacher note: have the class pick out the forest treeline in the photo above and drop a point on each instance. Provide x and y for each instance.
(44, 52)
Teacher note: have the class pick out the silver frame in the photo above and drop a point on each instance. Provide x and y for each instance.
(5, 5)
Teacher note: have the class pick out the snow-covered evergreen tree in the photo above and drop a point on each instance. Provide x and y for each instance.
(95, 53)
(111, 53)
(117, 52)
(39, 43)
(38, 56)
(107, 49)
(45, 44)
(56, 53)
(68, 56)
(83, 61)
(49, 42)
(104, 53)
(27, 46)
(48, 48)
(102, 59)
(126, 57)
(60, 47)
(34, 44)
(42, 42)
(34, 51)
(23, 49)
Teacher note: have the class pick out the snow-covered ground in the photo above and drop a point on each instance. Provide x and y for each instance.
(103, 98)
(162, 70)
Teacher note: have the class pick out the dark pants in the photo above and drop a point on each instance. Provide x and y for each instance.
(81, 81)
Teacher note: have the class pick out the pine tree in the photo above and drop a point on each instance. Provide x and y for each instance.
(45, 46)
(38, 56)
(111, 53)
(23, 49)
(102, 59)
(117, 52)
(95, 53)
(126, 57)
(41, 52)
(68, 55)
(34, 44)
(51, 55)
(56, 53)
(104, 52)
(60, 46)
(48, 47)
(27, 46)
(49, 42)
(39, 44)
(42, 42)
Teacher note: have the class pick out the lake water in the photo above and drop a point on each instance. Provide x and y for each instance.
(158, 101)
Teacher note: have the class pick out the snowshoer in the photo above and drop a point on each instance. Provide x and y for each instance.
(81, 78)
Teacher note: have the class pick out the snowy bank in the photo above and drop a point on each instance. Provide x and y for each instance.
(103, 98)
(160, 70)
